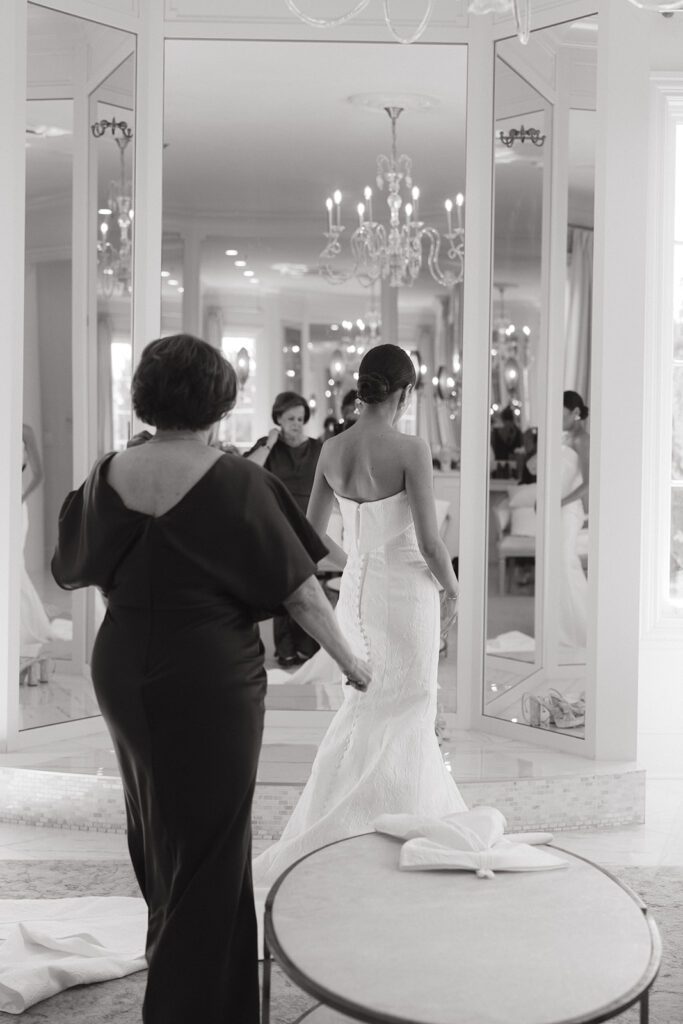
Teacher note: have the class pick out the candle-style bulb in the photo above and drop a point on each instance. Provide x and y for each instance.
(337, 196)
(449, 205)
(459, 199)
(367, 192)
(409, 211)
(328, 204)
(415, 193)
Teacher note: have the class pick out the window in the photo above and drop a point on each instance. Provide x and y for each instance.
(238, 427)
(676, 479)
(121, 372)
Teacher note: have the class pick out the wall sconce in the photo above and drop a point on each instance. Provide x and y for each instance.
(445, 383)
(242, 367)
(419, 367)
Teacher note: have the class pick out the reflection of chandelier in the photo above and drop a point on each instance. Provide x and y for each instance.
(520, 9)
(115, 259)
(393, 253)
(509, 361)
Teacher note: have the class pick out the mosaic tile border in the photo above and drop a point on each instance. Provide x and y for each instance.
(95, 802)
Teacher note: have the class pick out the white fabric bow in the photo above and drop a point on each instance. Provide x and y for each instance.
(467, 841)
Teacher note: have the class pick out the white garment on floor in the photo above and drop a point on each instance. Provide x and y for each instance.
(574, 588)
(380, 753)
(467, 841)
(48, 945)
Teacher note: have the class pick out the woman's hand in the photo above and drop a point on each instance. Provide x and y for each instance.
(359, 675)
(449, 611)
(273, 436)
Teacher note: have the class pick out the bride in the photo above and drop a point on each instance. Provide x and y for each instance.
(380, 754)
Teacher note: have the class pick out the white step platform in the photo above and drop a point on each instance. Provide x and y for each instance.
(75, 783)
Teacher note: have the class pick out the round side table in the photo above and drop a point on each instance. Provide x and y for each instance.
(373, 943)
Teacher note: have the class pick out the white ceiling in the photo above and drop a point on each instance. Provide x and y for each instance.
(258, 134)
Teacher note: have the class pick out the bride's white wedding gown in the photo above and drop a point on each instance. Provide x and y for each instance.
(380, 754)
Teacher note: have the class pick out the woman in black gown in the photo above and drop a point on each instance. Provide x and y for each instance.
(190, 548)
(292, 457)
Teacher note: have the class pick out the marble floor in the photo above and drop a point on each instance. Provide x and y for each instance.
(657, 843)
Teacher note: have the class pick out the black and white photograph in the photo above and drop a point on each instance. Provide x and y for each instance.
(341, 541)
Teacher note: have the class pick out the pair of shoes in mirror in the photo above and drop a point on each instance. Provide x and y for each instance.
(553, 709)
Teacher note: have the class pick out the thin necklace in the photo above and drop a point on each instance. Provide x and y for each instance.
(180, 437)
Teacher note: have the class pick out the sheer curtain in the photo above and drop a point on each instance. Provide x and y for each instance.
(579, 313)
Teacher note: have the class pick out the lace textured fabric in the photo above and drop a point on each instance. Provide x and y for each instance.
(380, 754)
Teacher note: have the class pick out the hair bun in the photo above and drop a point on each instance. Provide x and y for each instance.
(373, 388)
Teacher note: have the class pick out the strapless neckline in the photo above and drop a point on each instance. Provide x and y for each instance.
(374, 501)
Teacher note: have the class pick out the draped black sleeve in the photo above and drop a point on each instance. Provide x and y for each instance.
(237, 535)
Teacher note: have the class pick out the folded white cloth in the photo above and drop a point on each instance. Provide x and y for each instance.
(467, 841)
(49, 945)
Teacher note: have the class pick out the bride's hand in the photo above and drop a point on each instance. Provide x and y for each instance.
(449, 611)
(359, 675)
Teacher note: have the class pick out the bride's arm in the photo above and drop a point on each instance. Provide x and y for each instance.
(319, 510)
(419, 477)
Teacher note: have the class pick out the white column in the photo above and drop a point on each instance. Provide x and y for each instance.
(12, 193)
(617, 375)
(475, 362)
(149, 107)
(389, 309)
(192, 258)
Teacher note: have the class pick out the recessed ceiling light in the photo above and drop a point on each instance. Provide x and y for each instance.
(181, 289)
(240, 263)
(254, 280)
(291, 269)
(231, 252)
(172, 281)
(165, 273)
(105, 211)
(248, 273)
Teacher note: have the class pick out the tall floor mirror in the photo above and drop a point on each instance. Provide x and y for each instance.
(253, 193)
(63, 52)
(538, 573)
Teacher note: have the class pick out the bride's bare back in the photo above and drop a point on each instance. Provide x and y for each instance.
(368, 462)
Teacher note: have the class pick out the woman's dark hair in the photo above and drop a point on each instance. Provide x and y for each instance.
(383, 370)
(287, 400)
(183, 383)
(572, 400)
(349, 398)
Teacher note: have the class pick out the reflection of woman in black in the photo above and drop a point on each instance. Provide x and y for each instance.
(191, 547)
(292, 457)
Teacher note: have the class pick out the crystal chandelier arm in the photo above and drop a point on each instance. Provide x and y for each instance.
(522, 19)
(418, 31)
(327, 22)
(456, 253)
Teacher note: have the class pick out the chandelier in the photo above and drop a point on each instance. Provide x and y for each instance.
(114, 238)
(393, 253)
(519, 8)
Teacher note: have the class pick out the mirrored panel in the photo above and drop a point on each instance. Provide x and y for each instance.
(52, 685)
(270, 245)
(536, 640)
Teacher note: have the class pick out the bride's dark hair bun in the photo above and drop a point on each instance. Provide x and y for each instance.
(572, 400)
(383, 370)
(373, 388)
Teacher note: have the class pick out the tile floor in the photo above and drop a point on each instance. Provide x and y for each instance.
(659, 842)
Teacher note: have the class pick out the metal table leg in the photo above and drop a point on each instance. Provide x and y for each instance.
(265, 1015)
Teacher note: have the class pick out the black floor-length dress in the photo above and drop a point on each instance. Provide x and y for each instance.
(178, 673)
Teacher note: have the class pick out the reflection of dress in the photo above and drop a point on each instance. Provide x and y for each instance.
(178, 673)
(574, 589)
(380, 754)
(35, 625)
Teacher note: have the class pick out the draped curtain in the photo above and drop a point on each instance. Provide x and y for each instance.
(579, 313)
